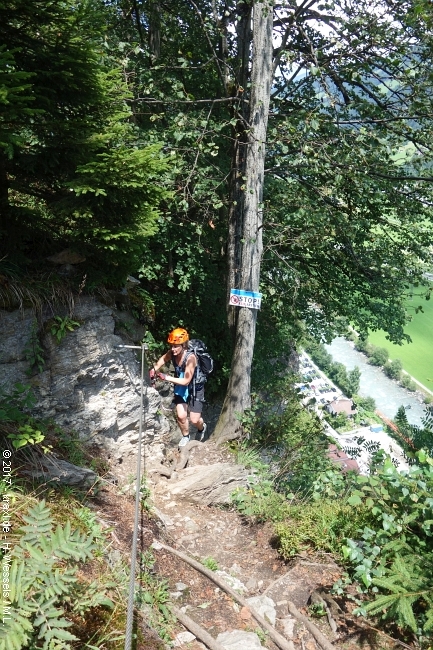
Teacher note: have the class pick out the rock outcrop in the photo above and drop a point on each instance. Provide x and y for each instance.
(88, 384)
(210, 484)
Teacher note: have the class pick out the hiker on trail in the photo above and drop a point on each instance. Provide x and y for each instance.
(185, 368)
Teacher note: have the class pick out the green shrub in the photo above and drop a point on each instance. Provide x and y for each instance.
(26, 435)
(408, 383)
(363, 345)
(154, 596)
(319, 354)
(393, 369)
(366, 403)
(321, 525)
(261, 501)
(378, 356)
(14, 403)
(291, 436)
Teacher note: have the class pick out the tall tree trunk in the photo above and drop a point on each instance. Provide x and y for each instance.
(238, 397)
(239, 158)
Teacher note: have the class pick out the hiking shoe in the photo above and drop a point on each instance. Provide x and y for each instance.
(202, 433)
(184, 441)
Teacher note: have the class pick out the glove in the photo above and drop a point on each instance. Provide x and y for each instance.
(162, 376)
(152, 373)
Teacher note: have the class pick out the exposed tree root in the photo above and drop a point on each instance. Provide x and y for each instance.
(197, 630)
(320, 638)
(184, 454)
(179, 461)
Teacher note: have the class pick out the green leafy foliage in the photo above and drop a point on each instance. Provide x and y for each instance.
(368, 404)
(33, 351)
(378, 356)
(347, 381)
(15, 421)
(13, 404)
(26, 435)
(412, 437)
(154, 597)
(290, 436)
(261, 501)
(320, 525)
(61, 326)
(210, 563)
(42, 570)
(80, 174)
(407, 382)
(393, 368)
(393, 554)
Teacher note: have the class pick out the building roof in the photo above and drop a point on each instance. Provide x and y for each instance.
(339, 457)
(341, 405)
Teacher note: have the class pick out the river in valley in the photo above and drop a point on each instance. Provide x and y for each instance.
(387, 394)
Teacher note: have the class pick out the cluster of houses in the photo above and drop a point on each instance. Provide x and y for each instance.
(316, 384)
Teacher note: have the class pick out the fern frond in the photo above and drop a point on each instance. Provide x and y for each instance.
(39, 523)
(16, 632)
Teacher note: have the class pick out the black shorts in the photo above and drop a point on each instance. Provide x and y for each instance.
(194, 406)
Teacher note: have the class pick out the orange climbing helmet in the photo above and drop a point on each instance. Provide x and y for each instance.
(178, 336)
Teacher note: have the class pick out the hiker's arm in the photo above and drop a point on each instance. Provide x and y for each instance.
(166, 358)
(189, 372)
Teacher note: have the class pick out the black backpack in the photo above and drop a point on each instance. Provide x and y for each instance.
(204, 360)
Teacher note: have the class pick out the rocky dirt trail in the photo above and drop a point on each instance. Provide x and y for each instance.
(246, 558)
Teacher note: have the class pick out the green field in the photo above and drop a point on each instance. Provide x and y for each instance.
(416, 357)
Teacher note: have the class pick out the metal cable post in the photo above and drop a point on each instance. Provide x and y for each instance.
(130, 610)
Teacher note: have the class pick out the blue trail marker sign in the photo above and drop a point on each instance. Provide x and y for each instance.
(240, 298)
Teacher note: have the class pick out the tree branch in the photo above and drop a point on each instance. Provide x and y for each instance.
(151, 100)
(220, 72)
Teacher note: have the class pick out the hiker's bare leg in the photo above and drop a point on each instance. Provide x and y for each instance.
(196, 420)
(182, 418)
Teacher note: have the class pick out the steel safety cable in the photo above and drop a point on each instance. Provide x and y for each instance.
(130, 609)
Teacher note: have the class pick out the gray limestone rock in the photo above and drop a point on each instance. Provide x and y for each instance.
(239, 640)
(210, 484)
(232, 582)
(49, 469)
(265, 606)
(298, 583)
(88, 385)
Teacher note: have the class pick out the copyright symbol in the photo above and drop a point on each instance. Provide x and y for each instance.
(7, 453)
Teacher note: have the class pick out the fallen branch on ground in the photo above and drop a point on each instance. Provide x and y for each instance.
(320, 638)
(316, 598)
(276, 637)
(196, 629)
